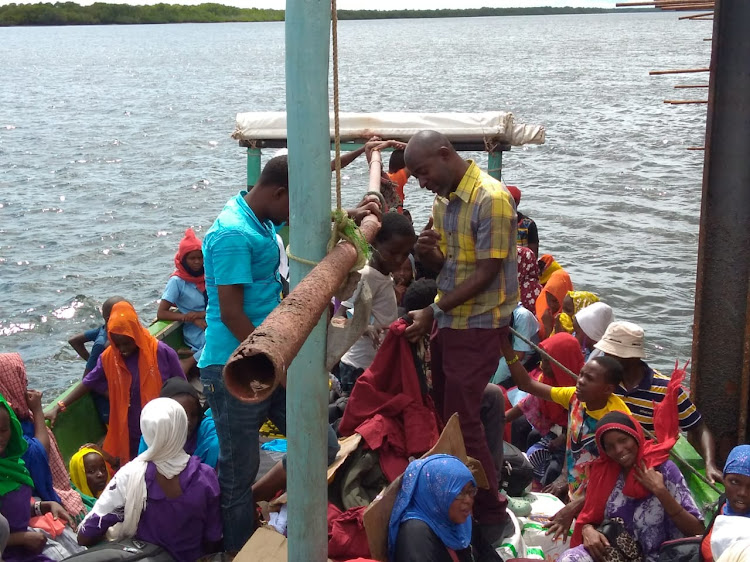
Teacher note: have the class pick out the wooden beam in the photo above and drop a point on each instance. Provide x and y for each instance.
(696, 16)
(681, 86)
(696, 148)
(684, 102)
(678, 71)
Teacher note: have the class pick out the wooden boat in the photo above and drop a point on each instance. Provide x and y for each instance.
(80, 423)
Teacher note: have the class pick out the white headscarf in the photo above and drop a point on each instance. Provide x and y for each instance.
(594, 320)
(164, 425)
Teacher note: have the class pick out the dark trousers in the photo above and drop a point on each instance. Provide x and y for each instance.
(463, 361)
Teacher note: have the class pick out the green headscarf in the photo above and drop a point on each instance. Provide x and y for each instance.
(13, 473)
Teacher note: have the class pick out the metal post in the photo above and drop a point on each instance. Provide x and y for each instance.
(495, 164)
(253, 166)
(308, 24)
(721, 355)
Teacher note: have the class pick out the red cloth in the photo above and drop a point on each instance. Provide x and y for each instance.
(189, 243)
(515, 193)
(346, 533)
(566, 349)
(605, 471)
(388, 409)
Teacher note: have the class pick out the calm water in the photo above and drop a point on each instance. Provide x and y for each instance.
(113, 140)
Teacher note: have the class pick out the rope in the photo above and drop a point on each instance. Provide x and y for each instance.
(650, 435)
(336, 121)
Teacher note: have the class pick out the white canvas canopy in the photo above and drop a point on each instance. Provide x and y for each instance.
(491, 127)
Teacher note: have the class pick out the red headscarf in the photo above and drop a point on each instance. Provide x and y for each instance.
(189, 243)
(124, 321)
(605, 471)
(566, 349)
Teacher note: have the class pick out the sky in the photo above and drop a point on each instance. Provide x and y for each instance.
(379, 4)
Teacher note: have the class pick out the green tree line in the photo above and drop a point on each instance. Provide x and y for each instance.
(70, 13)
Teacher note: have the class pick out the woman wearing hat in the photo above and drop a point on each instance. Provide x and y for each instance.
(643, 386)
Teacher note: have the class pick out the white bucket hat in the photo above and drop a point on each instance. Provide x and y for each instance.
(623, 340)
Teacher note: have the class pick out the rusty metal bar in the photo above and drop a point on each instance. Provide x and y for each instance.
(260, 363)
(684, 102)
(721, 357)
(376, 170)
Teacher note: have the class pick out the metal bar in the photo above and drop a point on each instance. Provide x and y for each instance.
(461, 146)
(495, 164)
(684, 102)
(253, 165)
(680, 71)
(376, 170)
(721, 316)
(307, 30)
(683, 86)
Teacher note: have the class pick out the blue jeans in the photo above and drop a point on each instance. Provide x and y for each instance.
(237, 425)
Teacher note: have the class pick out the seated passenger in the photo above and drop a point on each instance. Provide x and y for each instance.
(16, 485)
(164, 496)
(391, 248)
(589, 326)
(431, 519)
(549, 303)
(637, 483)
(528, 278)
(42, 456)
(643, 386)
(528, 235)
(573, 303)
(202, 440)
(186, 291)
(547, 266)
(732, 522)
(587, 402)
(99, 337)
(132, 370)
(89, 473)
(525, 323)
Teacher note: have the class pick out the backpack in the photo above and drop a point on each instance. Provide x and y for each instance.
(517, 471)
(124, 549)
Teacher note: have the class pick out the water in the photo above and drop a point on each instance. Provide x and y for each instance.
(113, 140)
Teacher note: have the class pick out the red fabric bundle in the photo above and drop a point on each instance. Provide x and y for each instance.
(346, 533)
(388, 409)
(605, 471)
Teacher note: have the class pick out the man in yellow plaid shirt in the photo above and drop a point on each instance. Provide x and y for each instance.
(473, 247)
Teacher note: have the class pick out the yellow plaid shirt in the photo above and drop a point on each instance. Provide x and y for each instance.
(478, 221)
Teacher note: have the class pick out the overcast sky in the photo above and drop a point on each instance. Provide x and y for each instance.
(380, 4)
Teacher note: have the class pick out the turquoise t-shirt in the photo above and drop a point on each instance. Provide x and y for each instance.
(238, 249)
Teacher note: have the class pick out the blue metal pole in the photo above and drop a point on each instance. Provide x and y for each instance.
(253, 166)
(308, 24)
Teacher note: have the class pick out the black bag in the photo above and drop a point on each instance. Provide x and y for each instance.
(517, 471)
(687, 549)
(622, 545)
(124, 549)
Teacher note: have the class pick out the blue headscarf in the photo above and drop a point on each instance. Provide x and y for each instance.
(427, 491)
(738, 462)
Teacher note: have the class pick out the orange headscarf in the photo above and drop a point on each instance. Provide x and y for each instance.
(189, 243)
(558, 285)
(124, 321)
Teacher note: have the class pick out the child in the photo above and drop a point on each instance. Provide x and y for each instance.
(186, 290)
(99, 337)
(391, 248)
(89, 473)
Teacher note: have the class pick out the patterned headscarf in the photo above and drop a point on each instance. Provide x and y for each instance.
(428, 489)
(581, 299)
(738, 462)
(13, 386)
(528, 278)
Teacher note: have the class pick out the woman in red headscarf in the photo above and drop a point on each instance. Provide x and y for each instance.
(186, 291)
(131, 372)
(636, 482)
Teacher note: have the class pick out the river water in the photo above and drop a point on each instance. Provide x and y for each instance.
(113, 140)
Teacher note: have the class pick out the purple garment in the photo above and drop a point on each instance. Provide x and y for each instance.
(181, 525)
(169, 366)
(645, 519)
(16, 508)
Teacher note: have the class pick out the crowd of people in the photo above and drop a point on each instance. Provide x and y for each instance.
(501, 336)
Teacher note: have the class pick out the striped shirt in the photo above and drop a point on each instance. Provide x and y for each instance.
(652, 389)
(478, 221)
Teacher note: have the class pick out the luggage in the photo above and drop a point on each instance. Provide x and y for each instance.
(517, 471)
(124, 549)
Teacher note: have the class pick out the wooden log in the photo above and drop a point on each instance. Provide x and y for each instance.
(682, 86)
(684, 102)
(697, 16)
(696, 148)
(678, 71)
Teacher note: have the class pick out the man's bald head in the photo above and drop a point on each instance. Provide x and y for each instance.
(431, 158)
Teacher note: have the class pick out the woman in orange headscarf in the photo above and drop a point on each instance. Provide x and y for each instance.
(131, 371)
(549, 303)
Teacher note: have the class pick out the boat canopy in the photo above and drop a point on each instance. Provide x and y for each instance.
(492, 129)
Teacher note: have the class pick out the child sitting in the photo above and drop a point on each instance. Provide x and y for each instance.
(89, 473)
(186, 291)
(391, 248)
(99, 337)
